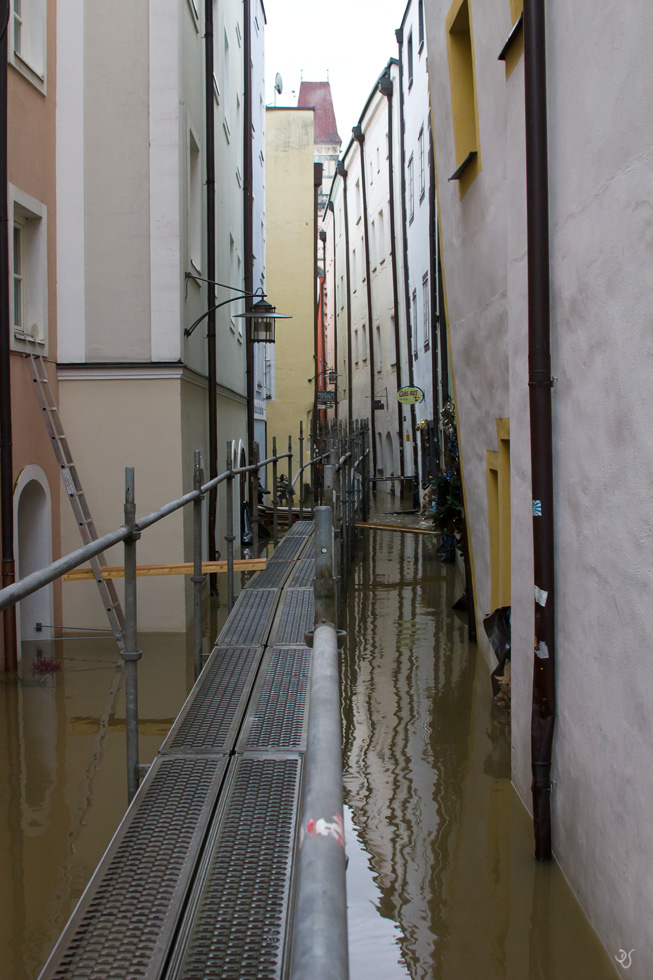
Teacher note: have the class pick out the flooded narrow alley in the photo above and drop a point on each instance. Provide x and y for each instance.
(442, 883)
(441, 879)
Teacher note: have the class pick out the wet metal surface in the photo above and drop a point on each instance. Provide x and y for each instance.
(441, 883)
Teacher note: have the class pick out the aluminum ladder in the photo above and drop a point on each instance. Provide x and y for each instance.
(70, 477)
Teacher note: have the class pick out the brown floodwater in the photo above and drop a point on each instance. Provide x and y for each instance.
(441, 881)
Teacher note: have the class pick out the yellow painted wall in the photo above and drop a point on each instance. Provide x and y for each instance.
(289, 262)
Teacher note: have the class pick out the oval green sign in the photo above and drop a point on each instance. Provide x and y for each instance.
(410, 395)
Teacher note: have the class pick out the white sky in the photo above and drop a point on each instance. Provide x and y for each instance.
(352, 39)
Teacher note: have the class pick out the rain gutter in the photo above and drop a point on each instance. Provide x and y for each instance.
(540, 385)
(399, 34)
(341, 170)
(211, 275)
(359, 136)
(386, 88)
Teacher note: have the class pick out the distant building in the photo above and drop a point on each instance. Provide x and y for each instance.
(317, 95)
(291, 283)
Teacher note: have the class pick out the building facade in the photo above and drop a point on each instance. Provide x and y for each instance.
(599, 250)
(133, 254)
(32, 223)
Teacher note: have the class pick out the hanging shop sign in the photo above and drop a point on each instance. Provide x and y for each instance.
(325, 398)
(410, 395)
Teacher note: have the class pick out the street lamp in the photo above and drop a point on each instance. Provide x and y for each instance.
(260, 329)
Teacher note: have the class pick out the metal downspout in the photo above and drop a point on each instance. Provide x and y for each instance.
(317, 183)
(211, 275)
(399, 34)
(359, 136)
(6, 441)
(335, 303)
(342, 172)
(433, 285)
(248, 223)
(386, 88)
(540, 385)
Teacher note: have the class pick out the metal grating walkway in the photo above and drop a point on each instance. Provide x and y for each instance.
(198, 880)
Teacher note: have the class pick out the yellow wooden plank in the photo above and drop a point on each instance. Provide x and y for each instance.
(180, 568)
(396, 527)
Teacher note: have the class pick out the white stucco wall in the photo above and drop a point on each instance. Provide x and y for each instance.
(600, 179)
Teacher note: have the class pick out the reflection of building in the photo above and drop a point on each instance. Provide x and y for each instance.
(593, 243)
(32, 296)
(291, 237)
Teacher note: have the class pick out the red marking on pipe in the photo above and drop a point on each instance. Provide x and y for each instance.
(324, 828)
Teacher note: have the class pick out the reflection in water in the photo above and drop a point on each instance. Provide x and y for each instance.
(427, 779)
(63, 792)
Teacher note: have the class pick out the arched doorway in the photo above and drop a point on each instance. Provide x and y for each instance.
(33, 521)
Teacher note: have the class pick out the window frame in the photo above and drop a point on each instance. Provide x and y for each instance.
(31, 60)
(31, 216)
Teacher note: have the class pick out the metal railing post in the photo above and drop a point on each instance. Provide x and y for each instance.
(290, 489)
(197, 578)
(301, 470)
(275, 515)
(130, 654)
(229, 536)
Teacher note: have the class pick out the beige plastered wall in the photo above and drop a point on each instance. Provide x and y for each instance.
(112, 424)
(290, 273)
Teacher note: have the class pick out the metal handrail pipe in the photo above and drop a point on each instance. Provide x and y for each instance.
(343, 459)
(319, 943)
(256, 466)
(315, 459)
(44, 576)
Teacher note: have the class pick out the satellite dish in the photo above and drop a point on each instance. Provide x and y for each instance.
(278, 83)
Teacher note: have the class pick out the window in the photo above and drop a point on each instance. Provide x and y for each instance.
(342, 292)
(377, 352)
(27, 47)
(381, 238)
(359, 211)
(420, 18)
(411, 188)
(356, 350)
(422, 178)
(364, 342)
(463, 93)
(425, 311)
(373, 244)
(410, 59)
(226, 77)
(28, 267)
(371, 173)
(378, 160)
(354, 276)
(194, 202)
(393, 348)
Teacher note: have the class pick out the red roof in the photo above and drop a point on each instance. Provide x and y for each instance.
(318, 96)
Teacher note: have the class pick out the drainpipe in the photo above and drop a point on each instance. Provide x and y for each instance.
(399, 34)
(386, 88)
(211, 275)
(248, 223)
(335, 302)
(317, 183)
(322, 323)
(6, 442)
(359, 136)
(540, 385)
(433, 231)
(342, 172)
